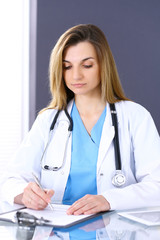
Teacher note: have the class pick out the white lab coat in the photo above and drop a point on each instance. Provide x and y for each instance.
(140, 155)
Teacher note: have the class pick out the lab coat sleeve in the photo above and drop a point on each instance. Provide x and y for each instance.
(146, 149)
(27, 160)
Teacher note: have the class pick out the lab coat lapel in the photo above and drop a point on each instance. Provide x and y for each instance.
(108, 133)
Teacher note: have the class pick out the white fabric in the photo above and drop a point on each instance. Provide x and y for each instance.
(140, 154)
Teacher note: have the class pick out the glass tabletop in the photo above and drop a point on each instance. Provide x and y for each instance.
(109, 226)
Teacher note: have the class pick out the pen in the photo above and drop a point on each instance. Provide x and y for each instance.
(39, 184)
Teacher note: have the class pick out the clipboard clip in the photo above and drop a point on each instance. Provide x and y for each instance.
(26, 219)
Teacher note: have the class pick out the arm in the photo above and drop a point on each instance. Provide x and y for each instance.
(146, 149)
(26, 161)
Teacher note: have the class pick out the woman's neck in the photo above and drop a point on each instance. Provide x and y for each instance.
(86, 105)
(90, 109)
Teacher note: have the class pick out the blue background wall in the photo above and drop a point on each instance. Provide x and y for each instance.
(132, 28)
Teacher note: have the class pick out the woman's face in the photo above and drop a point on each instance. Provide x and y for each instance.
(81, 71)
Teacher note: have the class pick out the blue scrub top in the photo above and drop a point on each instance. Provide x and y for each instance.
(84, 154)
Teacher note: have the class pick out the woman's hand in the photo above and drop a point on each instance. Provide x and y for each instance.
(34, 197)
(89, 204)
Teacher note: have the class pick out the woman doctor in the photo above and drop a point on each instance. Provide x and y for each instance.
(77, 166)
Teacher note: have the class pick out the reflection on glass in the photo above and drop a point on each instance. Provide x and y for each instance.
(83, 231)
(25, 233)
(80, 234)
(149, 216)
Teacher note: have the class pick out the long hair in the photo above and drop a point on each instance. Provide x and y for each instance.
(111, 89)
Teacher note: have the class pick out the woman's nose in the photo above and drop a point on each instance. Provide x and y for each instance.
(77, 73)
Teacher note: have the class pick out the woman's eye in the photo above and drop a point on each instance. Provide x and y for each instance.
(87, 66)
(67, 67)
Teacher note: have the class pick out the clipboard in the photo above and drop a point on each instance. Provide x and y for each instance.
(57, 218)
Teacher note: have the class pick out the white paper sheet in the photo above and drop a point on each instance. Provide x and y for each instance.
(58, 217)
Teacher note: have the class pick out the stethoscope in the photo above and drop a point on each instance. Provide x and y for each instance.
(118, 178)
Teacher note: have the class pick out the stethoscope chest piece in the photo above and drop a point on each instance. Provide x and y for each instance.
(118, 179)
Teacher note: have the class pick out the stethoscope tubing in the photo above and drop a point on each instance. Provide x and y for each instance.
(118, 179)
(116, 137)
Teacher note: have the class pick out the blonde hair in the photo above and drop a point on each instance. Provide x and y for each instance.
(111, 88)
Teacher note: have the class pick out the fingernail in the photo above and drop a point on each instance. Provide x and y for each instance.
(68, 212)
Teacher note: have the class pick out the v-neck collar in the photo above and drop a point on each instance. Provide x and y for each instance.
(97, 128)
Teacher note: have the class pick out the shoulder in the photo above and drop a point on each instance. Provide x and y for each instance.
(45, 118)
(134, 116)
(132, 109)
(47, 114)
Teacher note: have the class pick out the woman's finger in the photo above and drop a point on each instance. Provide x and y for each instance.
(36, 198)
(89, 204)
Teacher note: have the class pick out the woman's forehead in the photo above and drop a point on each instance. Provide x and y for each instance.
(80, 51)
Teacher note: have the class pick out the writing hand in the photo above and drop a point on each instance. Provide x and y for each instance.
(89, 204)
(34, 197)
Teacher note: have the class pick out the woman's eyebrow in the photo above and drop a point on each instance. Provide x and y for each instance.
(83, 60)
(66, 61)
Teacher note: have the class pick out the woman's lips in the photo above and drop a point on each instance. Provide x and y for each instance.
(78, 85)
